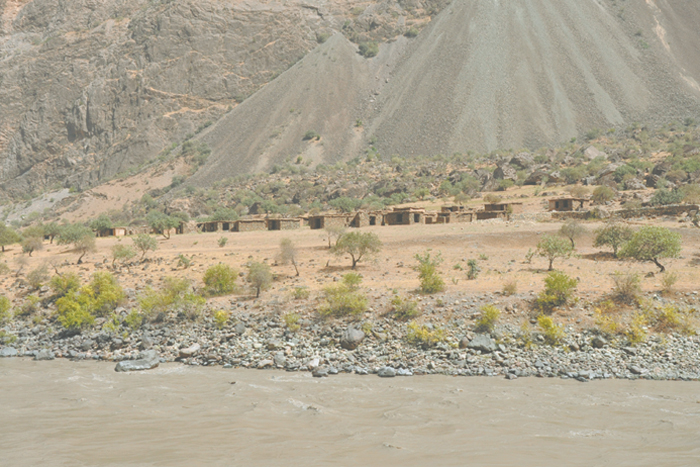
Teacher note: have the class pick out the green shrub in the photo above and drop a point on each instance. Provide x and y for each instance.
(134, 320)
(553, 334)
(474, 269)
(311, 135)
(428, 274)
(602, 194)
(29, 307)
(627, 287)
(345, 298)
(300, 293)
(291, 321)
(222, 242)
(488, 319)
(636, 333)
(176, 296)
(558, 291)
(510, 287)
(369, 49)
(5, 307)
(220, 279)
(4, 269)
(411, 32)
(424, 336)
(664, 197)
(404, 309)
(670, 318)
(37, 277)
(668, 281)
(64, 283)
(183, 261)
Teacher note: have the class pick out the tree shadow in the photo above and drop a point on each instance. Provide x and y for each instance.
(600, 256)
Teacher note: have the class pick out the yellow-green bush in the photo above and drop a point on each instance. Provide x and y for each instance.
(300, 293)
(553, 334)
(488, 319)
(176, 296)
(345, 298)
(77, 308)
(220, 318)
(220, 279)
(558, 291)
(105, 291)
(5, 306)
(404, 309)
(291, 321)
(75, 311)
(64, 283)
(423, 336)
(134, 320)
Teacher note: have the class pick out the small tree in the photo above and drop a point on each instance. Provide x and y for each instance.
(651, 244)
(572, 230)
(102, 225)
(220, 279)
(162, 223)
(85, 245)
(553, 247)
(52, 230)
(288, 253)
(428, 274)
(334, 232)
(144, 243)
(559, 289)
(357, 245)
(7, 237)
(259, 276)
(31, 244)
(614, 235)
(122, 253)
(603, 194)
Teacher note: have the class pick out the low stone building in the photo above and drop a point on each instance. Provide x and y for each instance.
(321, 221)
(405, 216)
(250, 225)
(568, 204)
(284, 223)
(454, 214)
(366, 219)
(215, 226)
(499, 210)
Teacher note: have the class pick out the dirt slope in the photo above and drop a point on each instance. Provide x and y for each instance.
(497, 74)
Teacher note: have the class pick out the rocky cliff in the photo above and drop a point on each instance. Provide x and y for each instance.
(89, 89)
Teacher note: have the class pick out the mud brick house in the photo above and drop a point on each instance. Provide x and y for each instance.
(453, 214)
(321, 221)
(499, 210)
(284, 223)
(568, 204)
(250, 225)
(405, 216)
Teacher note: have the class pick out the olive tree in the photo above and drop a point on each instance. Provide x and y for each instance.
(81, 237)
(259, 276)
(357, 245)
(144, 243)
(651, 244)
(7, 237)
(553, 247)
(162, 223)
(614, 235)
(572, 230)
(288, 253)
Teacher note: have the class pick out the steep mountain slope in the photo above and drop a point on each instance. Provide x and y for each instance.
(496, 74)
(483, 75)
(89, 89)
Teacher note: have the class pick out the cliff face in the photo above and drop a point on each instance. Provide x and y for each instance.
(89, 89)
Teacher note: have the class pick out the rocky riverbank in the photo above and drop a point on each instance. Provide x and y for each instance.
(262, 340)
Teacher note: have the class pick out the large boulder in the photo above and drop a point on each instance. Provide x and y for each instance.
(7, 352)
(147, 360)
(482, 342)
(44, 355)
(634, 184)
(190, 351)
(592, 152)
(523, 160)
(505, 172)
(351, 338)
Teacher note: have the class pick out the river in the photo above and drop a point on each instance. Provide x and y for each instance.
(62, 413)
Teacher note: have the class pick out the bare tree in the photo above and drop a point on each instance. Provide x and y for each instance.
(288, 253)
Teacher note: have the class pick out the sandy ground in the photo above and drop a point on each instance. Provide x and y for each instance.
(499, 248)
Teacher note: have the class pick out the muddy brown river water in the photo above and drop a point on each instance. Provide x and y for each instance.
(84, 414)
